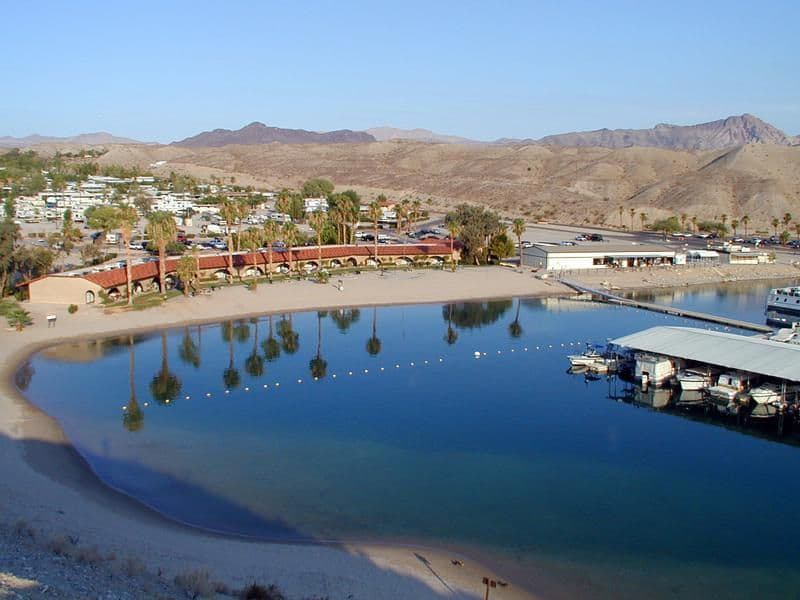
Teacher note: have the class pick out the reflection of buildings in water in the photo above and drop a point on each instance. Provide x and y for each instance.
(84, 351)
(555, 304)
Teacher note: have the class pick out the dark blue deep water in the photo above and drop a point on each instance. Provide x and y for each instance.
(405, 436)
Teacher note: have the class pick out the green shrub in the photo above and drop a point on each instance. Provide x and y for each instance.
(18, 318)
(323, 277)
(72, 309)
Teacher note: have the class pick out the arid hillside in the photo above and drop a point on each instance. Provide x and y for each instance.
(577, 185)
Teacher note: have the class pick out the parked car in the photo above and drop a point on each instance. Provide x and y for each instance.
(527, 244)
(581, 238)
(567, 243)
(595, 237)
(136, 246)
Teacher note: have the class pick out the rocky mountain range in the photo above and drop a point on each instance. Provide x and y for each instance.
(724, 133)
(258, 133)
(84, 139)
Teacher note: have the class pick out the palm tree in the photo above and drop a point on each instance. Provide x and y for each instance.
(133, 417)
(230, 376)
(317, 221)
(632, 212)
(290, 340)
(290, 237)
(454, 229)
(400, 212)
(621, 210)
(515, 328)
(787, 218)
(775, 223)
(254, 364)
(318, 365)
(643, 218)
(452, 335)
(734, 226)
(745, 221)
(271, 232)
(243, 211)
(375, 213)
(271, 347)
(694, 222)
(684, 218)
(127, 218)
(229, 211)
(416, 210)
(186, 269)
(374, 342)
(165, 386)
(252, 242)
(187, 351)
(161, 228)
(518, 227)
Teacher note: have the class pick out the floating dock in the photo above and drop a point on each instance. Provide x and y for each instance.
(667, 310)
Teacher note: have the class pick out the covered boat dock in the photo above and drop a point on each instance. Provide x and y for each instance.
(751, 354)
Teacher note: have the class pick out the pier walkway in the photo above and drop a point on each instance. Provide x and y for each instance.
(668, 310)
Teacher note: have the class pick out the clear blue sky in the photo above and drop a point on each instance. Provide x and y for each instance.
(163, 71)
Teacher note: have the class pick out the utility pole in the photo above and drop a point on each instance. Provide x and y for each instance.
(489, 583)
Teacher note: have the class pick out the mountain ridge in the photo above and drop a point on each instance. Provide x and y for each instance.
(89, 139)
(259, 133)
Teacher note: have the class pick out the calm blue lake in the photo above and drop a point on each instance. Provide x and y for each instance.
(380, 424)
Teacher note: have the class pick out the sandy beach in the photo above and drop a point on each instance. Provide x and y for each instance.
(47, 486)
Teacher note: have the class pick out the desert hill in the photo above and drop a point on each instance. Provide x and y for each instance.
(724, 133)
(258, 133)
(576, 185)
(383, 134)
(84, 139)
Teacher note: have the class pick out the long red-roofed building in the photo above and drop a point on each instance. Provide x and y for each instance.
(86, 287)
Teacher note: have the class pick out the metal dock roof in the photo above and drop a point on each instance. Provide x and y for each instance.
(728, 350)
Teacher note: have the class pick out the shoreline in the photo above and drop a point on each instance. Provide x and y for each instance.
(39, 455)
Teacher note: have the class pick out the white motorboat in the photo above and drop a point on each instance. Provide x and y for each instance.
(693, 380)
(584, 360)
(729, 386)
(652, 369)
(766, 393)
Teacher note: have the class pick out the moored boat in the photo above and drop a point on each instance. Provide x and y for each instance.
(766, 393)
(693, 379)
(584, 360)
(729, 386)
(783, 306)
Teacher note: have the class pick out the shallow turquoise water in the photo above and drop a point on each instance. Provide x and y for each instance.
(507, 455)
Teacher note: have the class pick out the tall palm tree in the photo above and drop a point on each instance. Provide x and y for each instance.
(745, 222)
(454, 229)
(243, 210)
(290, 339)
(128, 218)
(133, 417)
(452, 335)
(515, 328)
(290, 237)
(252, 242)
(775, 223)
(684, 219)
(734, 226)
(188, 351)
(272, 349)
(230, 212)
(643, 218)
(787, 218)
(271, 232)
(165, 386)
(254, 363)
(318, 365)
(161, 228)
(400, 212)
(518, 227)
(375, 213)
(621, 210)
(374, 343)
(317, 220)
(230, 376)
(632, 212)
(416, 204)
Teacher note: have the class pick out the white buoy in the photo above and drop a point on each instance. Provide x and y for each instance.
(246, 389)
(147, 404)
(124, 407)
(227, 391)
(334, 375)
(477, 354)
(186, 397)
(265, 386)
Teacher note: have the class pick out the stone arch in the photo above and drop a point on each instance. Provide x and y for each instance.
(352, 262)
(310, 266)
(221, 274)
(403, 261)
(335, 264)
(435, 261)
(137, 288)
(89, 297)
(373, 262)
(169, 281)
(282, 268)
(114, 293)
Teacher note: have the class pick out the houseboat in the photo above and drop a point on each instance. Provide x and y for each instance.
(783, 306)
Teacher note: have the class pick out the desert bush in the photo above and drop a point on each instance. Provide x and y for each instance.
(89, 556)
(132, 567)
(60, 545)
(72, 309)
(256, 591)
(196, 583)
